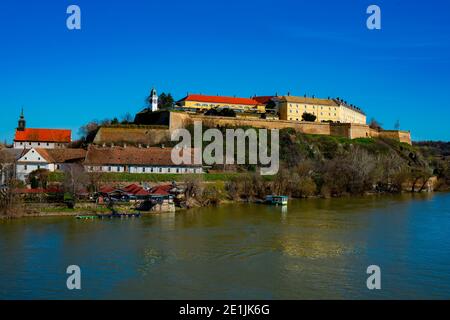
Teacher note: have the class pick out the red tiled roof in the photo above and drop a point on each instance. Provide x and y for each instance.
(131, 188)
(107, 189)
(62, 155)
(263, 99)
(44, 135)
(135, 190)
(161, 190)
(220, 99)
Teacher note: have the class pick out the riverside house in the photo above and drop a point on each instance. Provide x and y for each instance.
(135, 160)
(48, 159)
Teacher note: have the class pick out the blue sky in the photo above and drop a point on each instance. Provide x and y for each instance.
(66, 78)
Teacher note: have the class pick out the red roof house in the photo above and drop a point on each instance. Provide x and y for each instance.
(43, 135)
(220, 99)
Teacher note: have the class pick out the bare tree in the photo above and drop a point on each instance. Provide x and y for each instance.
(95, 180)
(192, 187)
(127, 118)
(75, 180)
(9, 200)
(374, 124)
(350, 173)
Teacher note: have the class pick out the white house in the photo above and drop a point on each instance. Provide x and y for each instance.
(48, 159)
(27, 138)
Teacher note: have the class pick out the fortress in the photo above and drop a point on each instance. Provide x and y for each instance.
(156, 127)
(331, 116)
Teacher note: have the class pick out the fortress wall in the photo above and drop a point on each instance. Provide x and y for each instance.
(179, 120)
(374, 133)
(360, 131)
(133, 136)
(402, 136)
(340, 130)
(348, 130)
(304, 127)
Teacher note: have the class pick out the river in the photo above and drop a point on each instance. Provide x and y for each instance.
(315, 249)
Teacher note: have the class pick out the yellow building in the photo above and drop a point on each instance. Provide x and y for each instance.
(198, 102)
(292, 108)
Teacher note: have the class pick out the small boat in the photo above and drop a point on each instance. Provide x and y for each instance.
(87, 217)
(119, 215)
(277, 200)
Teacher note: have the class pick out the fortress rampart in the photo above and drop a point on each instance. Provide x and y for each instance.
(347, 130)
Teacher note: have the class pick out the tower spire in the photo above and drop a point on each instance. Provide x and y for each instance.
(154, 99)
(22, 123)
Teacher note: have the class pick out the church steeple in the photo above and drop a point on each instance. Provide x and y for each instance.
(22, 122)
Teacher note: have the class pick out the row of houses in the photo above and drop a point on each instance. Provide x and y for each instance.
(99, 159)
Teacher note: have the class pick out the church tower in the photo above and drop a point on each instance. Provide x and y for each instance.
(22, 122)
(154, 100)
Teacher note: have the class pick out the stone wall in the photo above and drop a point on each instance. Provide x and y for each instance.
(347, 130)
(402, 136)
(304, 127)
(131, 136)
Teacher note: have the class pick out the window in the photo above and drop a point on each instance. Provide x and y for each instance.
(21, 143)
(39, 143)
(143, 170)
(118, 169)
(48, 144)
(25, 167)
(109, 169)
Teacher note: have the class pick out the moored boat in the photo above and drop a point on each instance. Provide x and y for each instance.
(277, 200)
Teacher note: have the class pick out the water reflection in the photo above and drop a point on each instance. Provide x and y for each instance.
(311, 249)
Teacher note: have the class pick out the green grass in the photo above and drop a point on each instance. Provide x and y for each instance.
(155, 177)
(76, 210)
(56, 176)
(364, 141)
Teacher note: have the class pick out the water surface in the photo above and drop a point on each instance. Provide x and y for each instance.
(316, 249)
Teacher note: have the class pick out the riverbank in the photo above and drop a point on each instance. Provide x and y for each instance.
(40, 210)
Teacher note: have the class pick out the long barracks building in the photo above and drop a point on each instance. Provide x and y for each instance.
(326, 110)
(198, 102)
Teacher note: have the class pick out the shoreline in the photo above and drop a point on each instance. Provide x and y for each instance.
(43, 210)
